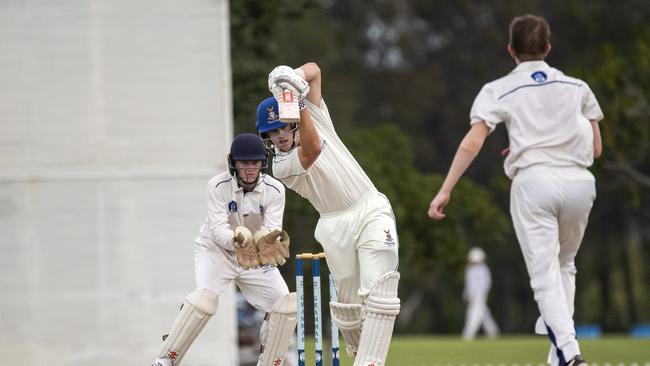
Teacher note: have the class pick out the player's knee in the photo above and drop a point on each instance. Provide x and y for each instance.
(286, 304)
(204, 300)
(383, 298)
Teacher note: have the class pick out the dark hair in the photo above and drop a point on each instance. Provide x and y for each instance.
(529, 35)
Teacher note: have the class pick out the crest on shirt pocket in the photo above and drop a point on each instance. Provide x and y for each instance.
(539, 76)
(232, 206)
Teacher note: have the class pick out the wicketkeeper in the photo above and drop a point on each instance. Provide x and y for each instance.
(356, 226)
(241, 241)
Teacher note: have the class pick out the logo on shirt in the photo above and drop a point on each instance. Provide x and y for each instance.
(389, 239)
(267, 267)
(539, 76)
(232, 206)
(272, 116)
(261, 210)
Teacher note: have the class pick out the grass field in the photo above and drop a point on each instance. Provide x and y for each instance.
(505, 351)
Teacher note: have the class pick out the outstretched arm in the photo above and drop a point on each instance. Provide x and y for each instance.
(467, 151)
(312, 75)
(310, 145)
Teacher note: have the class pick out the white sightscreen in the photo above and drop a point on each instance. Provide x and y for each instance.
(113, 116)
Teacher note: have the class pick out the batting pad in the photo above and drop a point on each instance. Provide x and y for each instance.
(347, 318)
(280, 324)
(382, 307)
(197, 309)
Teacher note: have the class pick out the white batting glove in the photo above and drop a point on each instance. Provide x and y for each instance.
(284, 77)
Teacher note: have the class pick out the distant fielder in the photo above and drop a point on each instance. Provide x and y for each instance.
(241, 241)
(477, 288)
(552, 121)
(356, 226)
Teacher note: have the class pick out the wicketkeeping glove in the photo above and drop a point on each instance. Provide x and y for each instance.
(284, 77)
(245, 250)
(272, 246)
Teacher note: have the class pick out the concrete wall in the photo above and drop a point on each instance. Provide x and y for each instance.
(113, 115)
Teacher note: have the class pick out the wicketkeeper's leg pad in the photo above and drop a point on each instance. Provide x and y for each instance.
(349, 320)
(382, 307)
(197, 309)
(277, 331)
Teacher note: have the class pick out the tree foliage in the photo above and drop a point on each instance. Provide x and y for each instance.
(417, 65)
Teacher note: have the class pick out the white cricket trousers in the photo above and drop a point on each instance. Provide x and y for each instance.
(361, 245)
(550, 208)
(215, 270)
(477, 315)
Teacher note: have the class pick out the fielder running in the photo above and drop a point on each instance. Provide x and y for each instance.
(552, 121)
(241, 241)
(477, 287)
(356, 226)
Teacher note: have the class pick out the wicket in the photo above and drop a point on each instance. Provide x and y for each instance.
(318, 320)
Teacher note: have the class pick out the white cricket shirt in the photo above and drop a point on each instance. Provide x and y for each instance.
(547, 115)
(335, 181)
(229, 206)
(477, 280)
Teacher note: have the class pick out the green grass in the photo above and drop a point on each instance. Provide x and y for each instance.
(508, 351)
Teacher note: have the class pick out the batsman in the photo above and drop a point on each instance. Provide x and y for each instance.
(241, 241)
(356, 227)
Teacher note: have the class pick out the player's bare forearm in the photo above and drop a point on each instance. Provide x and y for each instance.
(462, 160)
(310, 146)
(313, 77)
(598, 142)
(467, 151)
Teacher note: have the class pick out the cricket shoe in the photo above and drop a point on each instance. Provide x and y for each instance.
(162, 362)
(577, 361)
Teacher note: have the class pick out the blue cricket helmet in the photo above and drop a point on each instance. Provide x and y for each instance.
(268, 118)
(247, 146)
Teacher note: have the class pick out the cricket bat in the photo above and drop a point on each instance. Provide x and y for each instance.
(288, 107)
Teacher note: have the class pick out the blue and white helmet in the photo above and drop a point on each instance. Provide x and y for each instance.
(268, 117)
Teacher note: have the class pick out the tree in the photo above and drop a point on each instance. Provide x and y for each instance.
(621, 81)
(431, 253)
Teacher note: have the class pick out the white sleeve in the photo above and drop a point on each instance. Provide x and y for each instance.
(287, 166)
(274, 209)
(487, 108)
(217, 221)
(590, 107)
(320, 115)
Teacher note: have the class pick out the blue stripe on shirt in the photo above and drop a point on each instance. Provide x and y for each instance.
(531, 85)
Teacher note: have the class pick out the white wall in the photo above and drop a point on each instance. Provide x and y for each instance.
(113, 115)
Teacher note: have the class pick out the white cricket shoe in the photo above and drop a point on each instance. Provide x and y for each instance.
(162, 362)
